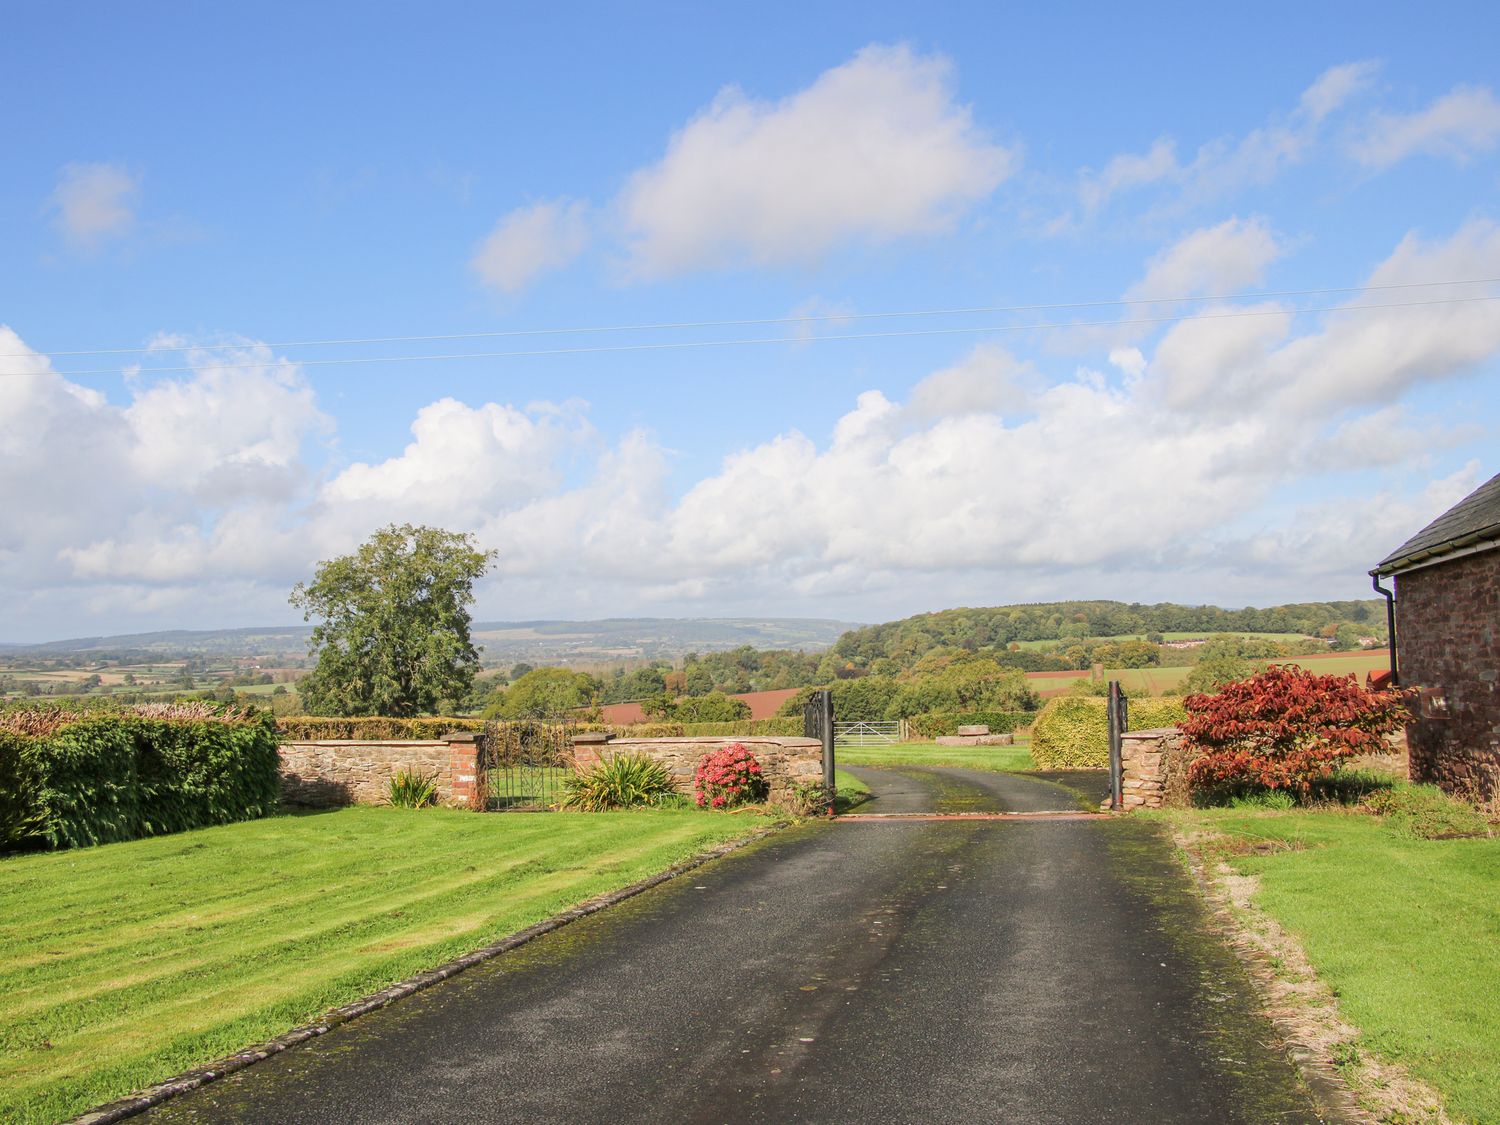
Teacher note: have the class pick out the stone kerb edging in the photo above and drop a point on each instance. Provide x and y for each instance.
(1153, 767)
(786, 761)
(201, 1076)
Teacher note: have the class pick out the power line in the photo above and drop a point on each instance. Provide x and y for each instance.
(767, 321)
(686, 344)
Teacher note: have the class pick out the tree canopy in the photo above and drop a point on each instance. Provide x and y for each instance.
(394, 635)
(543, 693)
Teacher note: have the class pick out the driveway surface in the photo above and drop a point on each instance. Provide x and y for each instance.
(909, 971)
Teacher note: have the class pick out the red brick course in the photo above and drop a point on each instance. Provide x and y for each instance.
(1448, 646)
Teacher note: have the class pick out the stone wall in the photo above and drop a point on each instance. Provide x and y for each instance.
(1448, 638)
(783, 760)
(1153, 767)
(329, 774)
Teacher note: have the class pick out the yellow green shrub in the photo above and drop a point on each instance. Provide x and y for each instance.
(1072, 731)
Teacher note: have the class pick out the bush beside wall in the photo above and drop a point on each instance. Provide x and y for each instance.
(1072, 731)
(106, 778)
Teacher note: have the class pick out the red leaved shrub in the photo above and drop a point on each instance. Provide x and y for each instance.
(1286, 728)
(727, 777)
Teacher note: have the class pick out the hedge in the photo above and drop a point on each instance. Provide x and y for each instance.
(318, 728)
(82, 779)
(779, 726)
(937, 723)
(1072, 731)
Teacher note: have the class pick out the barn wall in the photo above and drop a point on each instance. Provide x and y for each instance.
(1448, 631)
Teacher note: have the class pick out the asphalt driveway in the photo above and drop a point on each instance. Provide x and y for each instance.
(911, 971)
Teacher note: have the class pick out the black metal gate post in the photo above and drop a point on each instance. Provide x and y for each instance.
(1118, 723)
(817, 722)
(828, 763)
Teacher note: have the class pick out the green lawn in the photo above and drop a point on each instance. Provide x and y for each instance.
(1406, 932)
(124, 964)
(931, 754)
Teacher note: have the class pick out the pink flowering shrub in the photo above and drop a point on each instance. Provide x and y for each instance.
(728, 777)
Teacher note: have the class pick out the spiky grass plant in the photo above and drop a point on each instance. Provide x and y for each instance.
(619, 782)
(411, 789)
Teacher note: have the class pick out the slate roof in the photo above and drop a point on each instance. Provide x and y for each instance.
(1474, 519)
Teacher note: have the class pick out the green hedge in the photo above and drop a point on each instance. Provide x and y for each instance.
(1072, 731)
(774, 727)
(317, 728)
(938, 723)
(105, 778)
(636, 730)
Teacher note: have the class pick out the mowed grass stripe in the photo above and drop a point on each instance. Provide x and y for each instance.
(370, 919)
(142, 943)
(208, 886)
(362, 898)
(199, 905)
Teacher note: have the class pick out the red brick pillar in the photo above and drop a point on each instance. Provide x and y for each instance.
(463, 769)
(589, 749)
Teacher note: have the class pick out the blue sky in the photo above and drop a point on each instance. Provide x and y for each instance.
(213, 184)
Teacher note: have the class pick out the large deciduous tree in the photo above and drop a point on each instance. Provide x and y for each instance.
(394, 635)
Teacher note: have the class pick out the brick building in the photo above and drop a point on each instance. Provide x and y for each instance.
(1447, 609)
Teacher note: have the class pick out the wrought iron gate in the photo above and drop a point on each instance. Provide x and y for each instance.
(523, 764)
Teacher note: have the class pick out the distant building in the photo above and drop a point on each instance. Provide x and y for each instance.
(1447, 643)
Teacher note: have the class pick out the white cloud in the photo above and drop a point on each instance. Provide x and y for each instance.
(1351, 534)
(531, 241)
(1222, 365)
(1226, 165)
(987, 380)
(1129, 170)
(1228, 445)
(235, 430)
(1463, 122)
(1128, 360)
(94, 203)
(874, 150)
(1212, 261)
(463, 462)
(1335, 87)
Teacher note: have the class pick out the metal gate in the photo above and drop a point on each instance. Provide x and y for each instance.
(523, 764)
(817, 722)
(867, 734)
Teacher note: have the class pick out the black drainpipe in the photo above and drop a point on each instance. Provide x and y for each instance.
(1390, 619)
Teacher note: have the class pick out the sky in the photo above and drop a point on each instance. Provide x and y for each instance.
(739, 309)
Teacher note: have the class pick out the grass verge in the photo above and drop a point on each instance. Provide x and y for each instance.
(1403, 932)
(125, 964)
(1001, 758)
(852, 792)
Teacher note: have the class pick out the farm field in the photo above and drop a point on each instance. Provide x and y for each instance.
(1157, 681)
(124, 964)
(1403, 931)
(1172, 637)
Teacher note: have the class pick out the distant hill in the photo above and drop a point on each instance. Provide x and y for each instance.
(993, 628)
(504, 642)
